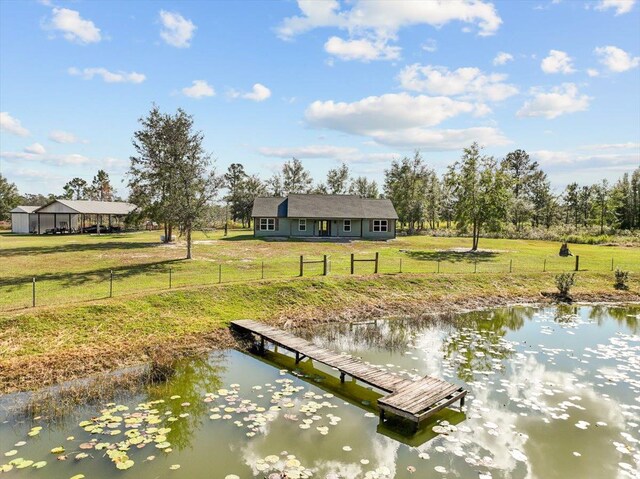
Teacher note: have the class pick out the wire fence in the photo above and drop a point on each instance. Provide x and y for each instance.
(68, 288)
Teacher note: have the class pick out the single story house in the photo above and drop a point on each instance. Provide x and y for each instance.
(330, 216)
(69, 216)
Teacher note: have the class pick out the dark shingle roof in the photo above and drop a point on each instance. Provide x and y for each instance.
(269, 207)
(96, 207)
(324, 206)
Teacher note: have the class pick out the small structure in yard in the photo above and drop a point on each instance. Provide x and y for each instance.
(324, 216)
(70, 216)
(564, 250)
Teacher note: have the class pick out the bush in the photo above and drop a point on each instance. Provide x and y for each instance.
(564, 283)
(622, 279)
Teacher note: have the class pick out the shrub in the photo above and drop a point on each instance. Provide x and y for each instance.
(622, 279)
(564, 282)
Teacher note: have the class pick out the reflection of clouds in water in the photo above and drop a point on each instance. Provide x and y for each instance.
(429, 348)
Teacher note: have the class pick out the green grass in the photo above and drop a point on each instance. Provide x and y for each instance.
(46, 345)
(70, 269)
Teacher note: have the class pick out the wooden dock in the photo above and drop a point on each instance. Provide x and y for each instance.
(414, 400)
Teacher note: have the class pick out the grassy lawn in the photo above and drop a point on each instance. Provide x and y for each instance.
(71, 269)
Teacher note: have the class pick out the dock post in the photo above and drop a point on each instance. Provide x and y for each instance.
(577, 263)
(462, 402)
(297, 357)
(261, 344)
(301, 265)
(324, 266)
(352, 264)
(381, 415)
(33, 293)
(375, 271)
(342, 376)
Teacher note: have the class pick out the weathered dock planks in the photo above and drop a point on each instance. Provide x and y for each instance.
(412, 400)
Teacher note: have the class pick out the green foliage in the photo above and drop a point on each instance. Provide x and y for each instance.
(338, 180)
(564, 283)
(295, 178)
(364, 188)
(621, 279)
(9, 198)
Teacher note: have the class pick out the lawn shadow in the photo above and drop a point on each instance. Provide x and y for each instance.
(451, 256)
(95, 276)
(75, 247)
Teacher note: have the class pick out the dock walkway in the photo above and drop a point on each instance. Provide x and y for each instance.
(414, 400)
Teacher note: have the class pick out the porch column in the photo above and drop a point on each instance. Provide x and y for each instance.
(55, 222)
(69, 223)
(38, 223)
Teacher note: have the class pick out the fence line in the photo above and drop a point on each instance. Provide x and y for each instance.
(73, 288)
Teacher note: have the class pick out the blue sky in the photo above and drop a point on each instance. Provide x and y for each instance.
(325, 81)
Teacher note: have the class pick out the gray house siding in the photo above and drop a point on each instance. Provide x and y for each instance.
(281, 228)
(290, 227)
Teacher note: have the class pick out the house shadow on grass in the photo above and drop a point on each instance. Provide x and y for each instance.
(452, 256)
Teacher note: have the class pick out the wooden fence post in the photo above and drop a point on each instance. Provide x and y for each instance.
(375, 271)
(352, 264)
(400, 265)
(611, 264)
(220, 273)
(301, 265)
(33, 293)
(263, 270)
(577, 263)
(324, 266)
(544, 268)
(438, 266)
(111, 284)
(510, 266)
(475, 266)
(169, 278)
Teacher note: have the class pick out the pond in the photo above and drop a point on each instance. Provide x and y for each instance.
(553, 392)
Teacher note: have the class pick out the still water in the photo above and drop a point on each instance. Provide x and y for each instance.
(554, 392)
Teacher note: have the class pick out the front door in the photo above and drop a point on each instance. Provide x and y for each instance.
(324, 228)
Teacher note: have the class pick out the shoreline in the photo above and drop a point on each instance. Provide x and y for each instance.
(138, 331)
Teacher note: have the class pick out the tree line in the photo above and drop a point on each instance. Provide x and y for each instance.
(173, 180)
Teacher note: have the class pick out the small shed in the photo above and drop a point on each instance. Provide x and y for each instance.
(23, 220)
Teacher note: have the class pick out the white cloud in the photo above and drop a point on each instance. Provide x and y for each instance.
(73, 159)
(616, 59)
(557, 62)
(386, 18)
(560, 100)
(259, 92)
(403, 120)
(64, 137)
(467, 82)
(613, 146)
(176, 30)
(390, 111)
(620, 6)
(199, 89)
(590, 159)
(430, 45)
(107, 76)
(12, 125)
(311, 151)
(592, 72)
(74, 27)
(36, 149)
(362, 49)
(502, 58)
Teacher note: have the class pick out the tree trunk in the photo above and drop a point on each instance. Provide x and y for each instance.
(189, 242)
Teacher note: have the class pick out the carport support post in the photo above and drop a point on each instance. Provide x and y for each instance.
(352, 264)
(33, 293)
(324, 265)
(301, 265)
(577, 263)
(111, 284)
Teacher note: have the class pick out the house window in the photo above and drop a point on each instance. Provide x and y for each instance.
(380, 225)
(346, 227)
(267, 224)
(302, 225)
